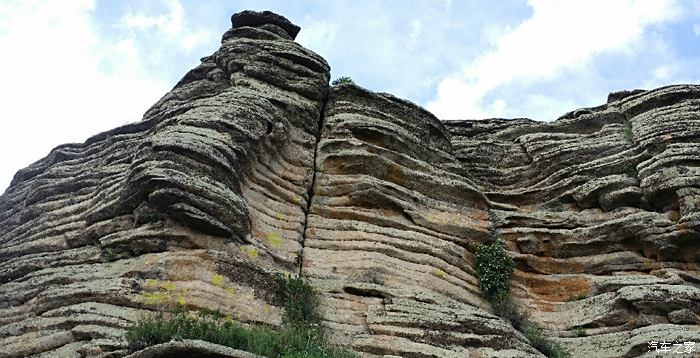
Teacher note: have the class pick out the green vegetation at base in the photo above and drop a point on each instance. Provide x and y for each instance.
(494, 269)
(300, 302)
(341, 80)
(287, 342)
(301, 335)
(543, 344)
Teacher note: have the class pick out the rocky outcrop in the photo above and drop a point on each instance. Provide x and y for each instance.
(253, 166)
(187, 348)
(202, 203)
(404, 285)
(602, 217)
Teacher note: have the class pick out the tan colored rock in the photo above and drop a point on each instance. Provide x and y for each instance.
(253, 166)
(202, 203)
(191, 348)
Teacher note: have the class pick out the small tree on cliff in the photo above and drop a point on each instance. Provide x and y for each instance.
(341, 80)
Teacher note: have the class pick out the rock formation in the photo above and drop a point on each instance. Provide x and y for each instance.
(254, 166)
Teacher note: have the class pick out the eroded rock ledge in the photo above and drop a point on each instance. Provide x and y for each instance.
(253, 166)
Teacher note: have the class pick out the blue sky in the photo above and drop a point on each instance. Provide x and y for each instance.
(74, 68)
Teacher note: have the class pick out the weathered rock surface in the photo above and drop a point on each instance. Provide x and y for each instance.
(187, 348)
(253, 166)
(202, 203)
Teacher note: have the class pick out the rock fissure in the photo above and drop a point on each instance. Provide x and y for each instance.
(313, 178)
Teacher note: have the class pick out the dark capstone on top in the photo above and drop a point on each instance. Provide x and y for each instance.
(255, 18)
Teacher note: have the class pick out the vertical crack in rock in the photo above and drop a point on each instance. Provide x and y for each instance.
(202, 204)
(313, 178)
(392, 214)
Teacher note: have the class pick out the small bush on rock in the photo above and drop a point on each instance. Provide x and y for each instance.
(150, 217)
(341, 80)
(300, 301)
(629, 168)
(540, 342)
(658, 147)
(628, 132)
(494, 268)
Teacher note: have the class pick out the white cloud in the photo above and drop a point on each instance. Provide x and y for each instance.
(62, 82)
(547, 106)
(193, 40)
(662, 72)
(320, 36)
(559, 35)
(696, 30)
(416, 27)
(171, 23)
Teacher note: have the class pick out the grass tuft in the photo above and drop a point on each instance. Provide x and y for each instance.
(504, 307)
(300, 302)
(148, 217)
(300, 337)
(540, 342)
(629, 135)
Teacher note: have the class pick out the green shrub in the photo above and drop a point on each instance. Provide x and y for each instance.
(149, 217)
(288, 342)
(580, 332)
(300, 337)
(540, 342)
(629, 168)
(108, 254)
(493, 268)
(300, 301)
(555, 205)
(341, 80)
(628, 132)
(205, 312)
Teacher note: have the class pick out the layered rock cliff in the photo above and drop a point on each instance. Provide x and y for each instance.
(254, 166)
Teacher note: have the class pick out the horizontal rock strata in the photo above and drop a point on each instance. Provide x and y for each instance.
(253, 166)
(191, 348)
(390, 233)
(602, 217)
(202, 203)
